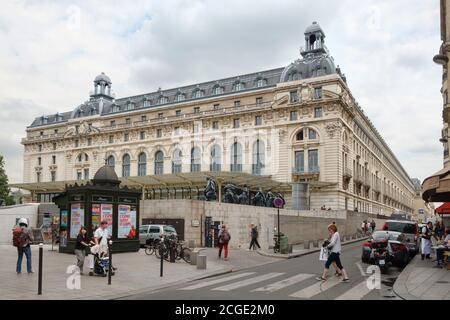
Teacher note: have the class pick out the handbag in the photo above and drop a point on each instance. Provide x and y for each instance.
(323, 256)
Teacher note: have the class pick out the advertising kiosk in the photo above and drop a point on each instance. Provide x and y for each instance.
(100, 199)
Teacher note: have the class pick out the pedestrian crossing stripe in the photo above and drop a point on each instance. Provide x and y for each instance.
(315, 289)
(356, 292)
(284, 283)
(217, 281)
(248, 282)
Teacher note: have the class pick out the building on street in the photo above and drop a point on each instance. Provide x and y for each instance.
(296, 129)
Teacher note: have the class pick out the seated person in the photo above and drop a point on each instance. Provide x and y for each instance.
(443, 246)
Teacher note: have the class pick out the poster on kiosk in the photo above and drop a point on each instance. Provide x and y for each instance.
(127, 221)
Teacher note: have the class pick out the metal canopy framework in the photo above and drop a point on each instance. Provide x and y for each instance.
(175, 180)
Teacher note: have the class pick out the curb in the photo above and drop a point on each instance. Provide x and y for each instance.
(399, 287)
(296, 255)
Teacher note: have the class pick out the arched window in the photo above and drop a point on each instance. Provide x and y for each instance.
(110, 161)
(142, 164)
(195, 159)
(258, 157)
(126, 165)
(236, 157)
(159, 163)
(176, 161)
(163, 100)
(300, 135)
(312, 134)
(215, 159)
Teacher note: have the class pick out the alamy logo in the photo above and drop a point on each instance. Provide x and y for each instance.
(374, 280)
(73, 282)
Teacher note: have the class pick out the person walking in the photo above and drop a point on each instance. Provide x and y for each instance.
(426, 240)
(80, 248)
(224, 238)
(335, 251)
(254, 234)
(437, 231)
(372, 226)
(22, 239)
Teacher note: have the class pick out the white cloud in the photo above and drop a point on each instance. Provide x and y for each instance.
(51, 51)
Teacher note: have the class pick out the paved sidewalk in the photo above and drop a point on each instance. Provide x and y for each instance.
(299, 250)
(136, 272)
(420, 281)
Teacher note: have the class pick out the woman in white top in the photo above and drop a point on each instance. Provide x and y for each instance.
(335, 250)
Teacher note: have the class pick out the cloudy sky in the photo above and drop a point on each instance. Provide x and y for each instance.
(51, 51)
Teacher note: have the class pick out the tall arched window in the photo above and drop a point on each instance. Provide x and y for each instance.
(195, 159)
(215, 158)
(159, 163)
(142, 164)
(110, 161)
(176, 161)
(258, 157)
(236, 157)
(126, 165)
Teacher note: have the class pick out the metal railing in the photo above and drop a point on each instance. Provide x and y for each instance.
(300, 170)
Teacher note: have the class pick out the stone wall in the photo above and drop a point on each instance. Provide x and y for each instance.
(297, 225)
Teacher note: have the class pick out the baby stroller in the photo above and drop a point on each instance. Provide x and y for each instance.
(101, 263)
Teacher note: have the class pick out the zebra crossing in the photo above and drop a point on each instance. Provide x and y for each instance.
(298, 286)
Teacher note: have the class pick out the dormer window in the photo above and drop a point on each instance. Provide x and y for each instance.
(238, 86)
(146, 103)
(218, 90)
(129, 106)
(180, 97)
(198, 93)
(163, 99)
(261, 83)
(115, 108)
(44, 120)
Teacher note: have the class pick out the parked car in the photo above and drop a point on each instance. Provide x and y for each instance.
(151, 232)
(409, 229)
(391, 245)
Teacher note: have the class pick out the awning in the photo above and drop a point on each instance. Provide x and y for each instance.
(175, 180)
(436, 188)
(444, 208)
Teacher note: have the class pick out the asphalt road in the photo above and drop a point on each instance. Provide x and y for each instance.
(284, 280)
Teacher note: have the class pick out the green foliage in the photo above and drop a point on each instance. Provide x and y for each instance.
(4, 188)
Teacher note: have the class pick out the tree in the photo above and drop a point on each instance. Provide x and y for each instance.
(4, 188)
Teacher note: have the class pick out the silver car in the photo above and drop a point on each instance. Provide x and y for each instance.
(409, 229)
(150, 232)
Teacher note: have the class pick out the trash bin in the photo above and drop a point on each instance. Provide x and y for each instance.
(284, 247)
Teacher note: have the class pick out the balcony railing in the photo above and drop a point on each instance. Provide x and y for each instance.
(304, 170)
(236, 167)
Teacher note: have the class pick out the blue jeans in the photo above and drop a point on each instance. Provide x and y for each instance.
(20, 252)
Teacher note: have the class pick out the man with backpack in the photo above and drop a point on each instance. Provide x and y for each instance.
(22, 239)
(224, 238)
(254, 235)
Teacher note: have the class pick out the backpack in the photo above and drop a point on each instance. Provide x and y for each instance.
(18, 238)
(225, 236)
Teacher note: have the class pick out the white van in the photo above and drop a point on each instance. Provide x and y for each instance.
(150, 232)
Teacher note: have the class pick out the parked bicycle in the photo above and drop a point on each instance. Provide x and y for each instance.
(151, 247)
(163, 247)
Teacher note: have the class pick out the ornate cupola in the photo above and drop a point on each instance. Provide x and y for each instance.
(314, 40)
(102, 87)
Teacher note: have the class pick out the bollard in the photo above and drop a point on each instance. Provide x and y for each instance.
(110, 262)
(306, 244)
(172, 253)
(315, 243)
(201, 262)
(191, 244)
(41, 249)
(289, 248)
(194, 255)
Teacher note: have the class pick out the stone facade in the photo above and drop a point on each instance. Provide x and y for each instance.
(294, 124)
(297, 225)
